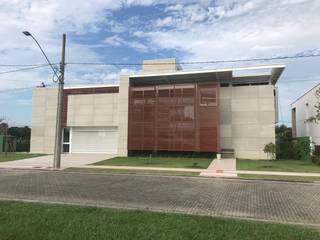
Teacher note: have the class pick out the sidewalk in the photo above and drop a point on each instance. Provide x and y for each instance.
(218, 168)
(145, 168)
(226, 167)
(301, 174)
(46, 162)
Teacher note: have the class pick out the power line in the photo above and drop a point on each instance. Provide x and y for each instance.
(198, 62)
(24, 69)
(24, 65)
(168, 63)
(22, 89)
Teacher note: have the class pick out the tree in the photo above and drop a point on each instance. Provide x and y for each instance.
(283, 133)
(270, 150)
(316, 117)
(21, 133)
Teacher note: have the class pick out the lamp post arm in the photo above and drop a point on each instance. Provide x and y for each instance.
(55, 72)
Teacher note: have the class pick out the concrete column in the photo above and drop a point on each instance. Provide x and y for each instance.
(123, 115)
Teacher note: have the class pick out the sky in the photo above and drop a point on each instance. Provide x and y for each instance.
(130, 31)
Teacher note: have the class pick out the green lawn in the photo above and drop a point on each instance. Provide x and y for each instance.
(279, 178)
(173, 162)
(45, 221)
(131, 171)
(277, 165)
(17, 156)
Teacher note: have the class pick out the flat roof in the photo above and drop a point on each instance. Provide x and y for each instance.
(92, 86)
(262, 73)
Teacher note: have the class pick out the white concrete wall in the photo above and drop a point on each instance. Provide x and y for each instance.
(123, 115)
(92, 110)
(44, 111)
(160, 65)
(304, 109)
(247, 119)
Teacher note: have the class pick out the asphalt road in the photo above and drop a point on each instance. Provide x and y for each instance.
(272, 201)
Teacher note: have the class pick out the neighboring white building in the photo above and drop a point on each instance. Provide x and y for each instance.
(302, 109)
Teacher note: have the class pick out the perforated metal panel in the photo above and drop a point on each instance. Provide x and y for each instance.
(176, 117)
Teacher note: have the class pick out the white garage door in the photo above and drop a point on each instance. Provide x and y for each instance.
(94, 140)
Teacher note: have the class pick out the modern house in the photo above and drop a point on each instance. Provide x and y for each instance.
(164, 108)
(302, 109)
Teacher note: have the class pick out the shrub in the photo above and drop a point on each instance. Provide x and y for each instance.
(270, 149)
(285, 150)
(302, 148)
(23, 146)
(315, 159)
(296, 149)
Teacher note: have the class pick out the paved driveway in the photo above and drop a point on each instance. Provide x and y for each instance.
(273, 201)
(46, 162)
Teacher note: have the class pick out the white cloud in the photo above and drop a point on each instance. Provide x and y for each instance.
(167, 21)
(25, 102)
(114, 41)
(237, 29)
(117, 41)
(47, 20)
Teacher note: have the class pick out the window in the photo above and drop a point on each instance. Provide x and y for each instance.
(224, 84)
(208, 97)
(189, 112)
(66, 140)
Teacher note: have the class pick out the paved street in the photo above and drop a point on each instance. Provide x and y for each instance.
(275, 201)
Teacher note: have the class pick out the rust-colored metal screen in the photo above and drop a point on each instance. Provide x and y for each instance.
(176, 117)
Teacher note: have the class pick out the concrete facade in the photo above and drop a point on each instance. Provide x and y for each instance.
(94, 110)
(161, 65)
(123, 115)
(44, 112)
(302, 109)
(247, 119)
(247, 111)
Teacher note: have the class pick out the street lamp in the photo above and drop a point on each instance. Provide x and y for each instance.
(58, 135)
(28, 34)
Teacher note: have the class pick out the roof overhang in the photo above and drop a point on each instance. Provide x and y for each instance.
(91, 86)
(242, 75)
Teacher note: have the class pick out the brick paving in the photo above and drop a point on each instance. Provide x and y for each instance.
(263, 200)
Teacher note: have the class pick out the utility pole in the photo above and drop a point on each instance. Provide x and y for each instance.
(6, 141)
(58, 136)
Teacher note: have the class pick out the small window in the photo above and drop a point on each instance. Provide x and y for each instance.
(240, 84)
(208, 97)
(66, 135)
(66, 140)
(66, 148)
(224, 84)
(188, 113)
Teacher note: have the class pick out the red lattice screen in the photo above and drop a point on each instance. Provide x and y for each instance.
(174, 117)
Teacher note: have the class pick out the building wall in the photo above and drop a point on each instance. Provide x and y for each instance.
(44, 111)
(160, 65)
(94, 110)
(123, 115)
(247, 119)
(304, 108)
